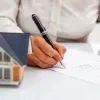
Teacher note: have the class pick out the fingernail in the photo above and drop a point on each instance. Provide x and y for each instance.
(59, 59)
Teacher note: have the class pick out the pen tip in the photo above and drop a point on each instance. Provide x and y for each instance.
(63, 65)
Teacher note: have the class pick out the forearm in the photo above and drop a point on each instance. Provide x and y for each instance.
(8, 14)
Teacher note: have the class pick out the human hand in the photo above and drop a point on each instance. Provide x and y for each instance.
(44, 55)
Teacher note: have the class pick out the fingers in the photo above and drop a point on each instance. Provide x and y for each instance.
(46, 48)
(43, 57)
(61, 49)
(38, 62)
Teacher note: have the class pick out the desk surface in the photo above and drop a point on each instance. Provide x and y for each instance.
(44, 84)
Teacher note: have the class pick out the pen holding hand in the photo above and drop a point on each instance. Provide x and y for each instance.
(44, 56)
(44, 33)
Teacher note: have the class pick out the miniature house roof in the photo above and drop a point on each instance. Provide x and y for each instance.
(16, 45)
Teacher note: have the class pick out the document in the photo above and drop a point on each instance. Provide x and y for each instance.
(80, 65)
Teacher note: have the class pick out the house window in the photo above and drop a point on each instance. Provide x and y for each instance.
(0, 56)
(0, 73)
(7, 73)
(6, 58)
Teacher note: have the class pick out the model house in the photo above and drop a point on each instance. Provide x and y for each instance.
(12, 59)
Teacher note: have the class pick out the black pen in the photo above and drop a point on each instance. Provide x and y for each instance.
(44, 32)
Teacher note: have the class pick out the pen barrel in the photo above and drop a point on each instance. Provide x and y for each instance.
(42, 30)
(38, 23)
(48, 40)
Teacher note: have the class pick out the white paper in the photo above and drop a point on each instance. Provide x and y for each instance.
(81, 65)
